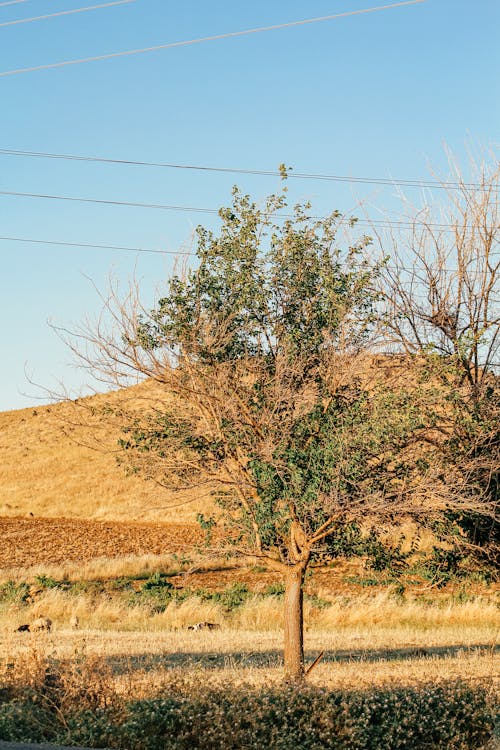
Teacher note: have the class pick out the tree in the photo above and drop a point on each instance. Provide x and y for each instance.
(441, 289)
(275, 402)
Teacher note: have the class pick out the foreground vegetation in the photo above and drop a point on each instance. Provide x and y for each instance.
(44, 700)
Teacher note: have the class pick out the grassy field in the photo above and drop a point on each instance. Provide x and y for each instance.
(134, 677)
(354, 658)
(420, 678)
(140, 621)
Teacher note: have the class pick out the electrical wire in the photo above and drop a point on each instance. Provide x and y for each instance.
(212, 38)
(65, 12)
(127, 248)
(198, 209)
(91, 245)
(12, 2)
(130, 204)
(420, 183)
(193, 209)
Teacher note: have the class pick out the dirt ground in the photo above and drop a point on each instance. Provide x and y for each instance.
(28, 542)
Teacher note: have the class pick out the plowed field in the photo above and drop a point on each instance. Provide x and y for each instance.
(26, 542)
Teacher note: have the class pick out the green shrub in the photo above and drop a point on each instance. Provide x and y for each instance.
(230, 598)
(275, 589)
(47, 582)
(14, 593)
(451, 716)
(156, 593)
(26, 721)
(96, 728)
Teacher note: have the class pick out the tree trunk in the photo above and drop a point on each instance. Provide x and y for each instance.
(294, 624)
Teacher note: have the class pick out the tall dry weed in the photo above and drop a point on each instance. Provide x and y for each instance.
(382, 611)
(386, 610)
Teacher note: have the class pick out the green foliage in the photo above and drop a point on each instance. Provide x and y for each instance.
(230, 598)
(317, 601)
(14, 593)
(47, 582)
(94, 588)
(93, 728)
(389, 557)
(471, 453)
(22, 720)
(256, 327)
(278, 407)
(443, 565)
(156, 592)
(125, 583)
(368, 582)
(157, 581)
(274, 589)
(450, 716)
(207, 524)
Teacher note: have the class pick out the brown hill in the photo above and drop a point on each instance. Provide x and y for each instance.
(60, 461)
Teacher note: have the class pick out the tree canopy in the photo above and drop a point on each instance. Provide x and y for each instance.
(279, 403)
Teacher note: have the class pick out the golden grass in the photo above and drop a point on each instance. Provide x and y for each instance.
(97, 569)
(384, 610)
(353, 659)
(47, 469)
(369, 640)
(480, 614)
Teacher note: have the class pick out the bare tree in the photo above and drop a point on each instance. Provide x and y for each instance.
(442, 301)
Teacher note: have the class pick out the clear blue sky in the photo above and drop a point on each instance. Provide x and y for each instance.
(375, 94)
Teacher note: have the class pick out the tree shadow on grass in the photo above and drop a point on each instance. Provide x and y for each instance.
(274, 658)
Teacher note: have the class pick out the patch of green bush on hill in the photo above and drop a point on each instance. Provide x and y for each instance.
(14, 593)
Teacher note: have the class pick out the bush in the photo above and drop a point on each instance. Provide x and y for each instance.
(230, 598)
(451, 717)
(25, 721)
(47, 582)
(14, 593)
(156, 592)
(187, 716)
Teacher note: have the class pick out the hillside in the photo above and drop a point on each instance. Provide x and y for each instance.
(50, 469)
(60, 460)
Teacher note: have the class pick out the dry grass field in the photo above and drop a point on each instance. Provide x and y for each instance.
(371, 635)
(355, 657)
(368, 638)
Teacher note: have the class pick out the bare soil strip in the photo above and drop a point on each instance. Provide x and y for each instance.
(25, 542)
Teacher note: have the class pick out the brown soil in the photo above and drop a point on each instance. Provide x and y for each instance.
(27, 542)
(54, 541)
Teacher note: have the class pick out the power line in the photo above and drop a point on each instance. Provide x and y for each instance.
(130, 204)
(127, 248)
(65, 12)
(199, 209)
(212, 38)
(12, 2)
(421, 183)
(91, 245)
